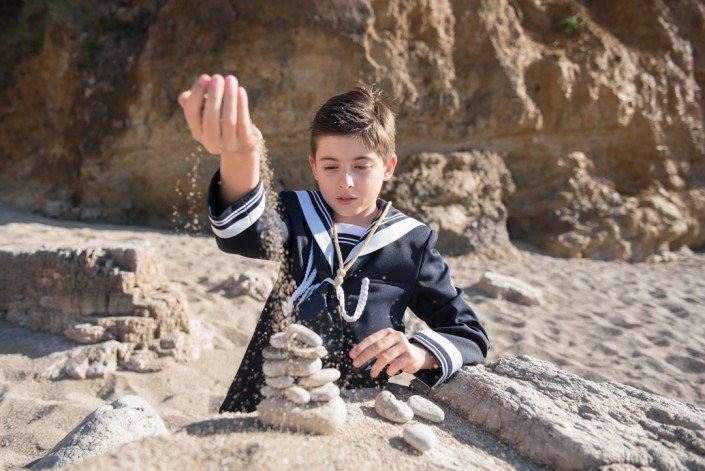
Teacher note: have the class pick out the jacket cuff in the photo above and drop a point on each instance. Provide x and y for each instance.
(443, 349)
(234, 219)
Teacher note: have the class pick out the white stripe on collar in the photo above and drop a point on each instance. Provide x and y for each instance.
(318, 228)
(386, 234)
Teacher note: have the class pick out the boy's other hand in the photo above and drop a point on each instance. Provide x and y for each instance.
(217, 113)
(393, 350)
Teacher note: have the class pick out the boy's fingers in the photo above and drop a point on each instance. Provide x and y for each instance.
(211, 115)
(194, 104)
(385, 358)
(366, 342)
(244, 129)
(399, 364)
(229, 114)
(183, 98)
(375, 350)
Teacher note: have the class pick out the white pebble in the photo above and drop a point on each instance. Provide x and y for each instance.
(419, 436)
(279, 340)
(309, 352)
(304, 335)
(422, 407)
(321, 377)
(325, 392)
(268, 391)
(304, 367)
(271, 353)
(279, 382)
(275, 368)
(388, 407)
(298, 395)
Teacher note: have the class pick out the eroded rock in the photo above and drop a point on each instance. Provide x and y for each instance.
(509, 288)
(562, 421)
(107, 428)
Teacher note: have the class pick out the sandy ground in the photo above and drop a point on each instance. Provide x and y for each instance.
(639, 324)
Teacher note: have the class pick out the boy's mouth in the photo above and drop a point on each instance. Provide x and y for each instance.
(345, 199)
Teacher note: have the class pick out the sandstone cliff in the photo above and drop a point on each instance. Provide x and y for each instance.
(595, 109)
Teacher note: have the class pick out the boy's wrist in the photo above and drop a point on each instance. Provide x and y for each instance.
(430, 361)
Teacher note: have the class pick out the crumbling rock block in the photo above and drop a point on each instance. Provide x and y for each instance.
(96, 294)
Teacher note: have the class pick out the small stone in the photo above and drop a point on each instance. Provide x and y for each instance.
(422, 407)
(304, 335)
(271, 353)
(87, 333)
(304, 367)
(298, 395)
(275, 368)
(326, 375)
(279, 382)
(419, 436)
(390, 408)
(309, 352)
(279, 340)
(324, 393)
(321, 418)
(268, 391)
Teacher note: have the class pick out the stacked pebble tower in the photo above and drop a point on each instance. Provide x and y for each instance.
(298, 392)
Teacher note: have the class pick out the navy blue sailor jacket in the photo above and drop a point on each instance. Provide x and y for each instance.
(399, 268)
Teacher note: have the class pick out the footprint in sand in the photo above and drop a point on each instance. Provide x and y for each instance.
(679, 311)
(687, 364)
(658, 293)
(695, 353)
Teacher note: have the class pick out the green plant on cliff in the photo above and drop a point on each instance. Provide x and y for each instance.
(26, 33)
(571, 25)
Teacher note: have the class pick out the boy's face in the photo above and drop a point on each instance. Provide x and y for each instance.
(350, 177)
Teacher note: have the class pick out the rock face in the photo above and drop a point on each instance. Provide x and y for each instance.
(459, 194)
(596, 109)
(95, 295)
(124, 420)
(562, 421)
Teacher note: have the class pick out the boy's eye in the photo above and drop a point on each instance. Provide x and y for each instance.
(329, 167)
(363, 167)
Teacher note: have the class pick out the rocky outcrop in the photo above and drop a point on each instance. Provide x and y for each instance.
(459, 194)
(596, 108)
(565, 422)
(118, 297)
(107, 428)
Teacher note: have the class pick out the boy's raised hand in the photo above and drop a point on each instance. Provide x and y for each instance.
(217, 113)
(393, 350)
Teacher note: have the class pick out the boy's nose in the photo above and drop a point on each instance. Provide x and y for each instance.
(346, 180)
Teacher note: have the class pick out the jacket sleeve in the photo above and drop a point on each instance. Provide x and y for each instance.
(455, 335)
(247, 227)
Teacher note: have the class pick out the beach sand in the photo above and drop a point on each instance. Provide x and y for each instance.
(638, 324)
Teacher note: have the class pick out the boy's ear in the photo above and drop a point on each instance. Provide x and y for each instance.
(389, 168)
(312, 163)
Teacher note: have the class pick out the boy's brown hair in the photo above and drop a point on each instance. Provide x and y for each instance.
(359, 113)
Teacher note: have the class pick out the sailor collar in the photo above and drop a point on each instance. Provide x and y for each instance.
(318, 216)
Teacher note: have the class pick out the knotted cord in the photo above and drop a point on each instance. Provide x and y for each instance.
(344, 267)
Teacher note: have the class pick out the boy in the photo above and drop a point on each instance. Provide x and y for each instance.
(357, 262)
